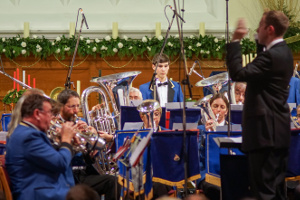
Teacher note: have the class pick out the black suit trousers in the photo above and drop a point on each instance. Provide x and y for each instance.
(267, 170)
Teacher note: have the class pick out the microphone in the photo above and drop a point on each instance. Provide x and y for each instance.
(175, 13)
(193, 67)
(81, 11)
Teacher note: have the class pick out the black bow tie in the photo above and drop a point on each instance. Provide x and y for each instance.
(164, 83)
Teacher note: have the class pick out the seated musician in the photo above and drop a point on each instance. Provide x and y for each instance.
(135, 94)
(219, 107)
(239, 92)
(156, 117)
(167, 90)
(102, 184)
(35, 168)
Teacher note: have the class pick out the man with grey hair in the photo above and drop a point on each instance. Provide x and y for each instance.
(135, 94)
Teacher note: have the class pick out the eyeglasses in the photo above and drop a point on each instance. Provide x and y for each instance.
(49, 113)
(74, 106)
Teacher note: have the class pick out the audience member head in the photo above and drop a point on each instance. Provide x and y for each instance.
(298, 113)
(239, 92)
(145, 116)
(37, 110)
(163, 66)
(70, 101)
(196, 197)
(135, 94)
(219, 105)
(82, 192)
(272, 25)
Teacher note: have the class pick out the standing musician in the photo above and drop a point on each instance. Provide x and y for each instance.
(102, 184)
(167, 90)
(266, 114)
(35, 168)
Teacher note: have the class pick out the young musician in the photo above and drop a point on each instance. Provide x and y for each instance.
(167, 90)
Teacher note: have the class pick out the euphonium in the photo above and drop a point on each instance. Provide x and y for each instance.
(87, 140)
(206, 111)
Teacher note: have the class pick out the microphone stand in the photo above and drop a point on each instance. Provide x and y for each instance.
(153, 79)
(184, 102)
(229, 83)
(68, 82)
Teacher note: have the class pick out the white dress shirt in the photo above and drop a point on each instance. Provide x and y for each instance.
(162, 92)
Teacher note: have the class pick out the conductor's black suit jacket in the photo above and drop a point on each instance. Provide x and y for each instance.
(266, 114)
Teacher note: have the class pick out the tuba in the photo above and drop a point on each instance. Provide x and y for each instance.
(114, 93)
(206, 111)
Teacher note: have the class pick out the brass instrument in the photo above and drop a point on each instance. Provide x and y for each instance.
(87, 140)
(114, 93)
(206, 111)
(148, 107)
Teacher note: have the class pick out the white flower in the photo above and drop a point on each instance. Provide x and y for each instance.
(190, 47)
(160, 38)
(115, 50)
(23, 44)
(120, 45)
(88, 41)
(103, 48)
(23, 51)
(57, 51)
(149, 48)
(94, 49)
(97, 40)
(39, 50)
(3, 39)
(81, 37)
(223, 36)
(67, 48)
(125, 37)
(17, 38)
(207, 52)
(198, 44)
(34, 36)
(38, 46)
(58, 39)
(130, 47)
(53, 43)
(191, 36)
(176, 36)
(218, 48)
(3, 50)
(14, 51)
(144, 39)
(201, 51)
(216, 40)
(89, 46)
(170, 44)
(107, 38)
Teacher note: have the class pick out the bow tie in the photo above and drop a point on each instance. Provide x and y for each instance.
(164, 83)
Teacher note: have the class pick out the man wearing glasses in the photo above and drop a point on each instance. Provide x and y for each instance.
(35, 168)
(86, 174)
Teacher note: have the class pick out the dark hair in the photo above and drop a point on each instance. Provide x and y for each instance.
(163, 58)
(32, 102)
(82, 192)
(217, 96)
(65, 95)
(278, 20)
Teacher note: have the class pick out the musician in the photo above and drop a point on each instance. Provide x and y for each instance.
(35, 168)
(266, 115)
(239, 92)
(298, 113)
(167, 90)
(156, 116)
(102, 184)
(219, 105)
(135, 94)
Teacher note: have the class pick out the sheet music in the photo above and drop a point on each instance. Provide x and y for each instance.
(218, 140)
